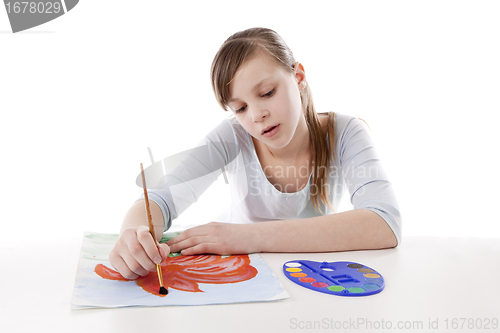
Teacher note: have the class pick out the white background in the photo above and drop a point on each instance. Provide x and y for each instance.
(82, 97)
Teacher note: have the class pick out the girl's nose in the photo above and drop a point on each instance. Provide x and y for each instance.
(258, 114)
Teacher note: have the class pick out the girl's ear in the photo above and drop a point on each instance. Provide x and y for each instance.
(300, 75)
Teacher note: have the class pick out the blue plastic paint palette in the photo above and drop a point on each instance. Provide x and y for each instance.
(341, 278)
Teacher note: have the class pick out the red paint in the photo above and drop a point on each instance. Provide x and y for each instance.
(185, 272)
(320, 284)
(307, 279)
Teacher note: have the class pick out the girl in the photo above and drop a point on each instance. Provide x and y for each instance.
(293, 167)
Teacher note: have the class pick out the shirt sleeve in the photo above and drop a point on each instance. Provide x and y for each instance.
(188, 174)
(368, 185)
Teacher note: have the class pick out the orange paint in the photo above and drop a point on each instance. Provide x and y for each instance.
(372, 275)
(298, 274)
(185, 272)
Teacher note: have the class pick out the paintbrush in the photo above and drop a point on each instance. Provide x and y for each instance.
(163, 290)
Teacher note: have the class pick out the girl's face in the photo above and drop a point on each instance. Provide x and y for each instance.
(265, 99)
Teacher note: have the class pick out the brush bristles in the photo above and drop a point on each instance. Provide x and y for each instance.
(163, 291)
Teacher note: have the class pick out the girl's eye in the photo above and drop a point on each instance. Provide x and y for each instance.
(240, 109)
(243, 108)
(269, 93)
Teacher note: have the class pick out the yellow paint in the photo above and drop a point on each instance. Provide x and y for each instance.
(293, 269)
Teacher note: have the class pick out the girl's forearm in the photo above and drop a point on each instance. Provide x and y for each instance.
(137, 216)
(358, 229)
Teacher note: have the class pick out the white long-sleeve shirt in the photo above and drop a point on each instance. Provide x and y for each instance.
(356, 168)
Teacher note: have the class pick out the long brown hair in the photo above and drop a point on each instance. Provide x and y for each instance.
(242, 46)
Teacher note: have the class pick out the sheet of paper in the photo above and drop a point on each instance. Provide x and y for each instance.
(191, 280)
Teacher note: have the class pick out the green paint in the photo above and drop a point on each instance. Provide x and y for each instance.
(97, 246)
(356, 290)
(102, 238)
(94, 249)
(336, 288)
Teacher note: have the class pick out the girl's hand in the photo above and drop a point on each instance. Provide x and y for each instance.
(136, 253)
(216, 238)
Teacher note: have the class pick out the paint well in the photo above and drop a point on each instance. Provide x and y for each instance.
(320, 284)
(370, 286)
(356, 290)
(307, 280)
(336, 288)
(355, 266)
(298, 275)
(365, 270)
(293, 264)
(293, 269)
(371, 275)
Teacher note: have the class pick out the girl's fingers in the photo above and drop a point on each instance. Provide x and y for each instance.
(193, 232)
(187, 243)
(202, 248)
(150, 246)
(136, 253)
(133, 265)
(177, 239)
(138, 257)
(164, 251)
(123, 269)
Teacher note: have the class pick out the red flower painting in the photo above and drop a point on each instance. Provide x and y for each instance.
(185, 272)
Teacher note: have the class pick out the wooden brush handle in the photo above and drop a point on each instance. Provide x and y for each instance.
(150, 220)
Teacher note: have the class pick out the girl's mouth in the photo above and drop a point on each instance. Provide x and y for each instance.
(270, 131)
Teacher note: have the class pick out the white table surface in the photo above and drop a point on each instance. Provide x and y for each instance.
(429, 281)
